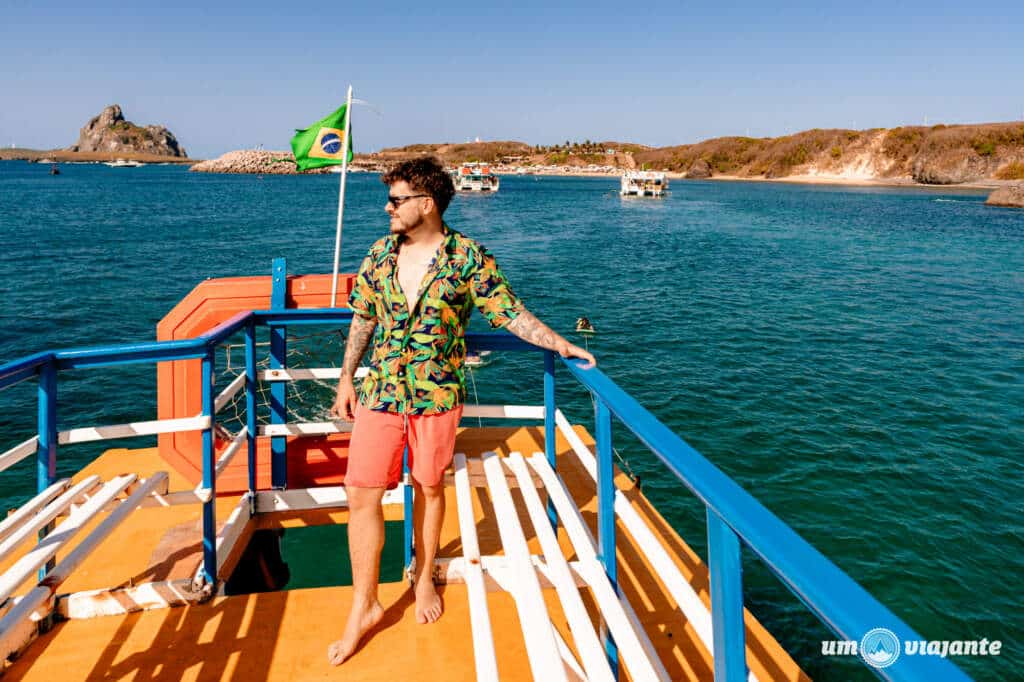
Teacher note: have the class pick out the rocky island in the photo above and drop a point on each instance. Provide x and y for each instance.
(109, 132)
(108, 137)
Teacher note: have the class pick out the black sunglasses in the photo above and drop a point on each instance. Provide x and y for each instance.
(397, 201)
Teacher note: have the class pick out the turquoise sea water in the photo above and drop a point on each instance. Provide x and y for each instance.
(853, 357)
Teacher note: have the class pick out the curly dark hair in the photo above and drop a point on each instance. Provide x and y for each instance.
(425, 175)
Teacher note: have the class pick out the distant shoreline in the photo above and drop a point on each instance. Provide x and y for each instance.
(986, 185)
(65, 156)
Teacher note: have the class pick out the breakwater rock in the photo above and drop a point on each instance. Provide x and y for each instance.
(1011, 196)
(110, 133)
(253, 161)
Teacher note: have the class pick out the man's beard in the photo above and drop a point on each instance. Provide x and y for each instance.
(401, 226)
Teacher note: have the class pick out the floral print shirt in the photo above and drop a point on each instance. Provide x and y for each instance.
(419, 348)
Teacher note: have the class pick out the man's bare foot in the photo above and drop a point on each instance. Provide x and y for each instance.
(360, 621)
(428, 602)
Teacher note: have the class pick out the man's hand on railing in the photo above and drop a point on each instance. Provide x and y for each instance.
(344, 406)
(568, 350)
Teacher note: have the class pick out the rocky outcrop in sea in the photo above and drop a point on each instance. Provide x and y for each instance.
(110, 132)
(1011, 196)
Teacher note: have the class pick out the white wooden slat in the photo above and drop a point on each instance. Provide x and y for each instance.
(19, 452)
(32, 524)
(172, 499)
(545, 661)
(231, 531)
(18, 622)
(43, 594)
(61, 535)
(686, 598)
(157, 498)
(230, 451)
(342, 426)
(479, 616)
(27, 510)
(119, 601)
(503, 411)
(573, 671)
(73, 560)
(634, 645)
(16, 637)
(306, 374)
(306, 428)
(587, 644)
(150, 428)
(497, 572)
(228, 393)
(316, 498)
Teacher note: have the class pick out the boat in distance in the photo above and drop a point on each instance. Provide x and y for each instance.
(123, 163)
(634, 183)
(475, 177)
(173, 561)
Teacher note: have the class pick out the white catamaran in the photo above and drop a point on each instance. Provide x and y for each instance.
(475, 177)
(643, 184)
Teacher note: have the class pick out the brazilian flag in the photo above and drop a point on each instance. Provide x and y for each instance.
(321, 144)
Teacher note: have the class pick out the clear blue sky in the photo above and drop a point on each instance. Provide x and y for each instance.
(227, 76)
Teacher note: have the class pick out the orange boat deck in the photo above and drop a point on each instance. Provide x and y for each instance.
(284, 635)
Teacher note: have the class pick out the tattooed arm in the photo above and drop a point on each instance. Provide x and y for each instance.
(527, 327)
(359, 334)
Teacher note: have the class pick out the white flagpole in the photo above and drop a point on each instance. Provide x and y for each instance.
(341, 195)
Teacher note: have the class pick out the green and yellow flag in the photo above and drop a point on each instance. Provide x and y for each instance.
(323, 143)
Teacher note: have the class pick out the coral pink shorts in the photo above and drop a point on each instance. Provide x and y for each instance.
(379, 439)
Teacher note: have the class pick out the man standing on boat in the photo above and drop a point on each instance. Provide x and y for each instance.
(413, 295)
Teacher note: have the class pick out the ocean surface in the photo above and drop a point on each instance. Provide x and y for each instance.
(854, 357)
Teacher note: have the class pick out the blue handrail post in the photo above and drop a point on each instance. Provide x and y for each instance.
(250, 403)
(726, 573)
(209, 474)
(279, 389)
(606, 515)
(549, 425)
(407, 509)
(46, 453)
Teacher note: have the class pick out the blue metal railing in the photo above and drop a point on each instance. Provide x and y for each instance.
(733, 515)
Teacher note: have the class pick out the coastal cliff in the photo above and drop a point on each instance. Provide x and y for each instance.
(936, 155)
(109, 132)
